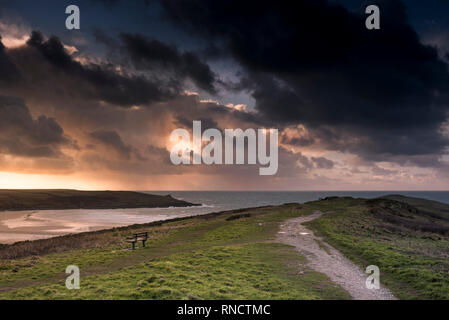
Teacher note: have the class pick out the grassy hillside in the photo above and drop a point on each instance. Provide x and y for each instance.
(409, 245)
(74, 199)
(427, 207)
(217, 256)
(233, 255)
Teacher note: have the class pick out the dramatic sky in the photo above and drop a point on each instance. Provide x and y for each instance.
(93, 108)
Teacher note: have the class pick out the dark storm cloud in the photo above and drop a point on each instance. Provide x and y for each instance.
(8, 71)
(206, 123)
(379, 144)
(100, 82)
(323, 163)
(54, 79)
(113, 140)
(296, 141)
(21, 135)
(314, 62)
(151, 54)
(314, 162)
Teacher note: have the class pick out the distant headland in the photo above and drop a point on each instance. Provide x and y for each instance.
(75, 199)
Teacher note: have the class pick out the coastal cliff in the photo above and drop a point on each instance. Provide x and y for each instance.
(75, 199)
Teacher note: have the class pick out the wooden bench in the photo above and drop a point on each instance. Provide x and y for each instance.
(142, 236)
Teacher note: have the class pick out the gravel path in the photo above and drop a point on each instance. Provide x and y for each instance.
(329, 261)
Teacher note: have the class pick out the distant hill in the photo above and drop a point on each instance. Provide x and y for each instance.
(74, 199)
(432, 208)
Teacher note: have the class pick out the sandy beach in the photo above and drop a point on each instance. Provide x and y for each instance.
(32, 225)
(40, 224)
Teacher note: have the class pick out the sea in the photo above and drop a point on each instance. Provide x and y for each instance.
(38, 224)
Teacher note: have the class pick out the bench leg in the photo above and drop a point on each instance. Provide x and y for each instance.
(143, 243)
(134, 245)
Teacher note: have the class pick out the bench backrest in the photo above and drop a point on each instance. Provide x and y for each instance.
(141, 234)
(138, 235)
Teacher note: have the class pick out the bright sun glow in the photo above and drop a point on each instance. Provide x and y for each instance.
(37, 181)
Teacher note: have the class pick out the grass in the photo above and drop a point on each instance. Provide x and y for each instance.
(323, 246)
(411, 254)
(224, 255)
(252, 271)
(233, 255)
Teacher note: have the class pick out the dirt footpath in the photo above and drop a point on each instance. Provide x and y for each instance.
(325, 259)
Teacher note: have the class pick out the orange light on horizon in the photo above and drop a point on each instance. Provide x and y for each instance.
(9, 180)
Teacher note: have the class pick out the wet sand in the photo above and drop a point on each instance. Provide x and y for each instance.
(41, 224)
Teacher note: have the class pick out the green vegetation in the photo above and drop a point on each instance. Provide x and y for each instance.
(223, 255)
(74, 199)
(252, 271)
(233, 255)
(410, 247)
(428, 207)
